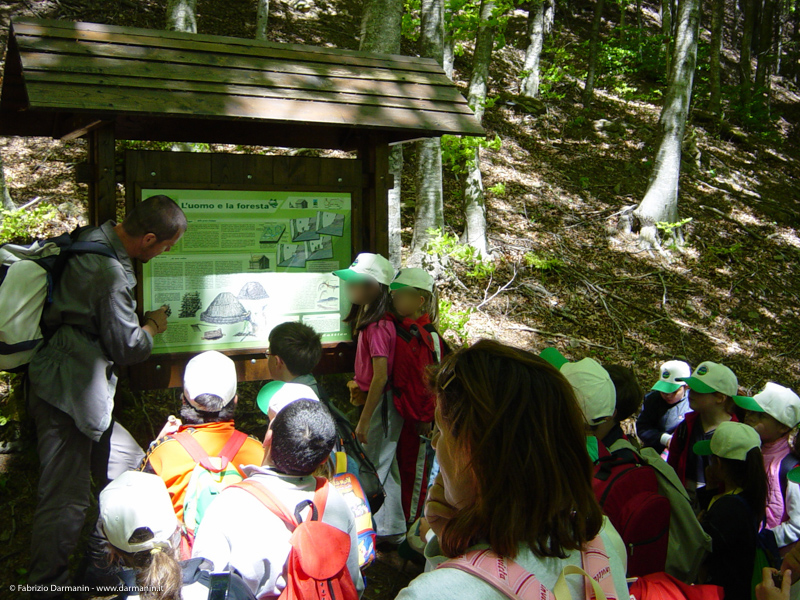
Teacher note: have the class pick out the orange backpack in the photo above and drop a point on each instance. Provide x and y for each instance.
(316, 568)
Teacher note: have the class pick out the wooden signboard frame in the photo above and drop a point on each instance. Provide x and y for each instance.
(190, 170)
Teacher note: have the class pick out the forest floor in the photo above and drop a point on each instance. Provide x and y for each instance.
(563, 273)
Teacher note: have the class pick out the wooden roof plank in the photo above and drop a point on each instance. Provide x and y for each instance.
(219, 44)
(85, 65)
(80, 28)
(99, 99)
(112, 49)
(134, 83)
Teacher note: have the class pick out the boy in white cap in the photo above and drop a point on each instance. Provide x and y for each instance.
(144, 537)
(734, 515)
(208, 404)
(773, 413)
(665, 407)
(711, 391)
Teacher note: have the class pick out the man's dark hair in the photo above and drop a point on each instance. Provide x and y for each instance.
(159, 215)
(629, 392)
(216, 413)
(298, 345)
(303, 434)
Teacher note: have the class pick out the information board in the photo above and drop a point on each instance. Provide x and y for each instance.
(250, 260)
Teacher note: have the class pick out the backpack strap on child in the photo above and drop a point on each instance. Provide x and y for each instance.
(200, 456)
(279, 509)
(517, 583)
(788, 462)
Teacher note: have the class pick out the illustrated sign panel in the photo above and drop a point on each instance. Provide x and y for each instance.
(249, 261)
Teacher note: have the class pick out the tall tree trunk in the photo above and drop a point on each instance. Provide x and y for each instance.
(745, 65)
(380, 32)
(262, 16)
(666, 32)
(429, 207)
(530, 83)
(549, 15)
(474, 204)
(8, 203)
(660, 203)
(714, 71)
(182, 15)
(765, 49)
(594, 42)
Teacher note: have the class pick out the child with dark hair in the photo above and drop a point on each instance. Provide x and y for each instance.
(665, 406)
(294, 351)
(735, 514)
(239, 532)
(366, 283)
(628, 401)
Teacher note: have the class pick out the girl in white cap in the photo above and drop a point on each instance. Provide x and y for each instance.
(734, 515)
(366, 284)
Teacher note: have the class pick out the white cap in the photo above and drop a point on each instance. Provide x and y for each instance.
(413, 277)
(137, 500)
(779, 402)
(210, 372)
(275, 395)
(368, 266)
(710, 377)
(592, 384)
(670, 371)
(730, 440)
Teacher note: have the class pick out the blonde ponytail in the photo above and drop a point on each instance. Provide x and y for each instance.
(160, 575)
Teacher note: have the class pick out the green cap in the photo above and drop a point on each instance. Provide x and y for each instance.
(748, 403)
(554, 357)
(730, 440)
(277, 394)
(794, 475)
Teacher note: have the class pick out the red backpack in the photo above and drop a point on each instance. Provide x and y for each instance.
(627, 490)
(316, 568)
(418, 345)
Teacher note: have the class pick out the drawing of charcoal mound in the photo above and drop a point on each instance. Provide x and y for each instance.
(225, 309)
(330, 223)
(252, 290)
(272, 233)
(320, 249)
(291, 255)
(304, 229)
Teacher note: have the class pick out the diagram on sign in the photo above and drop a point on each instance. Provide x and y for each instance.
(292, 255)
(330, 223)
(252, 290)
(321, 249)
(271, 234)
(304, 229)
(225, 309)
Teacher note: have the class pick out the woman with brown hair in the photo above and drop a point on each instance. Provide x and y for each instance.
(515, 480)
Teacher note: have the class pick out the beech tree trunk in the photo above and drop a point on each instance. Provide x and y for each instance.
(536, 26)
(474, 204)
(182, 15)
(8, 203)
(666, 31)
(429, 206)
(594, 42)
(714, 71)
(262, 16)
(765, 49)
(745, 56)
(380, 32)
(660, 203)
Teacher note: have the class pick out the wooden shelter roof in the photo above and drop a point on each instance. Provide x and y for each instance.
(64, 78)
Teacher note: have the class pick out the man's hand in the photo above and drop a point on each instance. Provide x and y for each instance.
(171, 426)
(767, 590)
(158, 318)
(437, 511)
(792, 561)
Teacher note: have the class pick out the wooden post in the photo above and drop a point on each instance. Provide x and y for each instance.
(103, 185)
(373, 220)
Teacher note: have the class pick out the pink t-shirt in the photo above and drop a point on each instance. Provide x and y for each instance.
(376, 340)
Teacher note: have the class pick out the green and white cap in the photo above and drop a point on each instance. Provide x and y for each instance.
(777, 401)
(275, 395)
(670, 371)
(209, 372)
(368, 267)
(413, 277)
(730, 440)
(593, 387)
(710, 377)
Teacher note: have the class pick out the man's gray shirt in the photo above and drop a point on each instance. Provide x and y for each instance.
(94, 311)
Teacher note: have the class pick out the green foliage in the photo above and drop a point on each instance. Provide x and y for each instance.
(725, 251)
(542, 262)
(411, 19)
(446, 244)
(454, 320)
(458, 152)
(555, 71)
(22, 226)
(631, 52)
(668, 229)
(498, 189)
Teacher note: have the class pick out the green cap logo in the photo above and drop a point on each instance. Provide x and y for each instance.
(665, 375)
(702, 370)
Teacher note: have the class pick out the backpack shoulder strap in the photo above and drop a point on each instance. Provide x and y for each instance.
(402, 333)
(503, 574)
(231, 449)
(91, 248)
(269, 500)
(789, 462)
(599, 583)
(195, 450)
(442, 349)
(321, 496)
